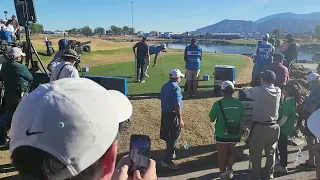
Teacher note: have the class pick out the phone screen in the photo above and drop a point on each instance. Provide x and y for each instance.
(139, 152)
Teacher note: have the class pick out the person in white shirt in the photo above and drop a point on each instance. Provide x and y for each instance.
(3, 26)
(66, 69)
(16, 27)
(63, 43)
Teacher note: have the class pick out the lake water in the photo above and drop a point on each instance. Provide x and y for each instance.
(233, 49)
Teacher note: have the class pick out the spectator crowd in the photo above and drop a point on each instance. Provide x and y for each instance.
(9, 29)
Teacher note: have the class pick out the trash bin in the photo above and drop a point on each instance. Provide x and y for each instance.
(223, 73)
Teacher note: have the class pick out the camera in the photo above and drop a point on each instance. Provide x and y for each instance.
(79, 47)
(5, 48)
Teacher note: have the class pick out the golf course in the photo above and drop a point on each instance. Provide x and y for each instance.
(116, 60)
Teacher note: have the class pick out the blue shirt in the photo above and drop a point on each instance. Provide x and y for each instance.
(6, 35)
(192, 56)
(170, 96)
(154, 49)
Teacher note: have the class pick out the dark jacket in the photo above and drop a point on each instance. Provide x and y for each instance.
(142, 50)
(291, 53)
(16, 77)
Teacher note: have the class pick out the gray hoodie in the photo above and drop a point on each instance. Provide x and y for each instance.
(266, 102)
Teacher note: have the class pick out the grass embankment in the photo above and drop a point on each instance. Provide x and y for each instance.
(157, 79)
(103, 52)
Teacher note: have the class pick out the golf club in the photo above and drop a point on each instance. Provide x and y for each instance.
(135, 67)
(161, 64)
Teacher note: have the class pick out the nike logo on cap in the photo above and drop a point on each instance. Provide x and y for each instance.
(32, 133)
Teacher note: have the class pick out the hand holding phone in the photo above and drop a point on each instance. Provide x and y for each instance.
(121, 171)
(139, 153)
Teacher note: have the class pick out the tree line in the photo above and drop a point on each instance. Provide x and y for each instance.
(36, 28)
(114, 30)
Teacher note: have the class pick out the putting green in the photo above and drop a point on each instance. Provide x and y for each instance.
(154, 83)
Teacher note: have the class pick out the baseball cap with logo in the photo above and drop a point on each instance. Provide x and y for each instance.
(226, 84)
(313, 77)
(17, 52)
(175, 73)
(75, 120)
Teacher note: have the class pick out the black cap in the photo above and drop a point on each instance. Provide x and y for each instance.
(144, 38)
(268, 76)
(278, 57)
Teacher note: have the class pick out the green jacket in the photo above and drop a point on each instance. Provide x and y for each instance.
(16, 77)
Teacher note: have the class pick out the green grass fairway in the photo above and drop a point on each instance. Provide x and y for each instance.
(245, 41)
(154, 83)
(109, 52)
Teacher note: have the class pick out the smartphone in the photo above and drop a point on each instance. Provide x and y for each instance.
(139, 153)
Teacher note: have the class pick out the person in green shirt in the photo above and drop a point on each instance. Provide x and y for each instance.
(225, 140)
(17, 80)
(287, 118)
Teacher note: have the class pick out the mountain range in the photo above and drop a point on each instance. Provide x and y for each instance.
(287, 22)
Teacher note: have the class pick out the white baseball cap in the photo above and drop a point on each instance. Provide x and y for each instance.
(313, 77)
(3, 20)
(75, 120)
(164, 45)
(175, 73)
(226, 84)
(17, 52)
(313, 123)
(267, 35)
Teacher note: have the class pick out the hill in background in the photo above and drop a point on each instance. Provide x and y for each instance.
(229, 26)
(311, 16)
(287, 22)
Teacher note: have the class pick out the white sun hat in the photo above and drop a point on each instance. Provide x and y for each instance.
(75, 120)
(313, 123)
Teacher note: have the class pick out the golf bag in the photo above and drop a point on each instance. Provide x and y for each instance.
(50, 49)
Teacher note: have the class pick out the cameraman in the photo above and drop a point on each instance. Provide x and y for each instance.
(63, 43)
(17, 79)
(65, 69)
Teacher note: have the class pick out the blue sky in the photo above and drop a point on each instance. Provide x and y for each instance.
(160, 15)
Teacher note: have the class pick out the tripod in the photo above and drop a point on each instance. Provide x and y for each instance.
(29, 48)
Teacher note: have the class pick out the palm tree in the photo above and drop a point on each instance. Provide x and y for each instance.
(6, 14)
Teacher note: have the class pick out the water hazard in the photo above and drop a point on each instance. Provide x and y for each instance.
(233, 49)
